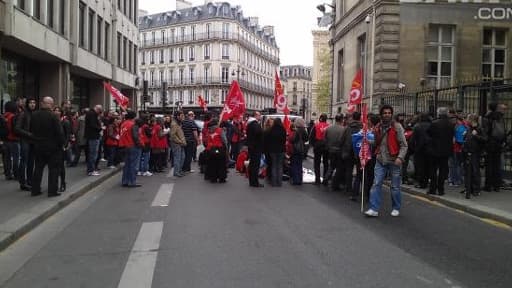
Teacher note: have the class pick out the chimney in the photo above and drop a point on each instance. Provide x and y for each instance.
(253, 21)
(183, 4)
(268, 30)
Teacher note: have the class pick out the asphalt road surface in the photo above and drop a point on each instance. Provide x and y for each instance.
(190, 233)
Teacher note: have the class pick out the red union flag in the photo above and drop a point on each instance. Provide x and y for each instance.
(280, 102)
(365, 153)
(202, 103)
(235, 103)
(356, 92)
(121, 100)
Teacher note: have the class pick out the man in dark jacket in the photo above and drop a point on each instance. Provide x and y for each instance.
(48, 146)
(441, 133)
(255, 147)
(92, 134)
(22, 129)
(493, 126)
(420, 142)
(347, 153)
(333, 138)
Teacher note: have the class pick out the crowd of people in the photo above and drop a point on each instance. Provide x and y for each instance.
(450, 146)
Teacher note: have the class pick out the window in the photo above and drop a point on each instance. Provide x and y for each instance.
(161, 55)
(294, 85)
(192, 53)
(207, 51)
(208, 28)
(20, 4)
(163, 36)
(181, 76)
(172, 36)
(494, 53)
(81, 25)
(206, 74)
(180, 96)
(62, 16)
(36, 9)
(341, 76)
(125, 52)
(180, 51)
(294, 101)
(130, 59)
(91, 30)
(135, 55)
(99, 27)
(171, 55)
(440, 54)
(225, 74)
(107, 38)
(225, 30)
(361, 51)
(206, 96)
(193, 32)
(152, 57)
(49, 13)
(152, 78)
(171, 76)
(161, 74)
(182, 34)
(191, 97)
(224, 94)
(225, 51)
(144, 41)
(191, 73)
(119, 43)
(153, 38)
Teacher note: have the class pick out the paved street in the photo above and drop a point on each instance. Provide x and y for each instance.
(189, 233)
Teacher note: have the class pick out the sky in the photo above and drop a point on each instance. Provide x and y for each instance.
(293, 21)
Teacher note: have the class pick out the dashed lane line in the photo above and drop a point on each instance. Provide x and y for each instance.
(163, 196)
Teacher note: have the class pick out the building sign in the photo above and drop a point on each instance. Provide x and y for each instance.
(484, 10)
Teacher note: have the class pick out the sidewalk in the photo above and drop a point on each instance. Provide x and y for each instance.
(20, 213)
(495, 206)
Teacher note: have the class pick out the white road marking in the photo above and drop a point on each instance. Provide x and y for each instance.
(163, 196)
(138, 272)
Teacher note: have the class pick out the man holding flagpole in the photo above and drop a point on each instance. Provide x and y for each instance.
(391, 147)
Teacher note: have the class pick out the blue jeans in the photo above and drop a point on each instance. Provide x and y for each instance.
(26, 168)
(296, 169)
(381, 170)
(131, 162)
(110, 152)
(455, 169)
(189, 152)
(144, 161)
(178, 157)
(94, 145)
(277, 169)
(13, 158)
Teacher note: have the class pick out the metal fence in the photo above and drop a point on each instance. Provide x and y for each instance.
(469, 98)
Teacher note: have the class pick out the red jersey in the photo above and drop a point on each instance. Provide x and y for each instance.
(215, 139)
(126, 138)
(320, 129)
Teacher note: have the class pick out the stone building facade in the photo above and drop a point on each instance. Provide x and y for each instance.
(321, 48)
(296, 80)
(199, 51)
(418, 45)
(66, 49)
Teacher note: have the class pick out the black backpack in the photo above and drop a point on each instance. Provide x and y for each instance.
(4, 130)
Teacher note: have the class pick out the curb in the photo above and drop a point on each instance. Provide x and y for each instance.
(23, 223)
(470, 210)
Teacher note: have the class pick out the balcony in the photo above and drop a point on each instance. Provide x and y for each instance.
(218, 35)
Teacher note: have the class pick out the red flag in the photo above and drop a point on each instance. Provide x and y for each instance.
(279, 99)
(202, 103)
(365, 153)
(121, 100)
(287, 124)
(356, 92)
(235, 103)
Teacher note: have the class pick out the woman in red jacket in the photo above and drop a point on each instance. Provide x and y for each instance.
(158, 145)
(112, 141)
(216, 169)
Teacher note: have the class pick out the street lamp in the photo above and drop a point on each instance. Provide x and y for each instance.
(238, 72)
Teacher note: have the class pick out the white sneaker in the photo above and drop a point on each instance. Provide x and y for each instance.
(94, 173)
(112, 167)
(371, 213)
(103, 160)
(147, 173)
(395, 213)
(139, 173)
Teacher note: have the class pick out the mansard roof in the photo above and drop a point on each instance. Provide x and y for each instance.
(210, 10)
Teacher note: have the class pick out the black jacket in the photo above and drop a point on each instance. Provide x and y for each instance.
(47, 132)
(420, 138)
(276, 139)
(92, 125)
(474, 143)
(22, 128)
(441, 133)
(347, 150)
(255, 137)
